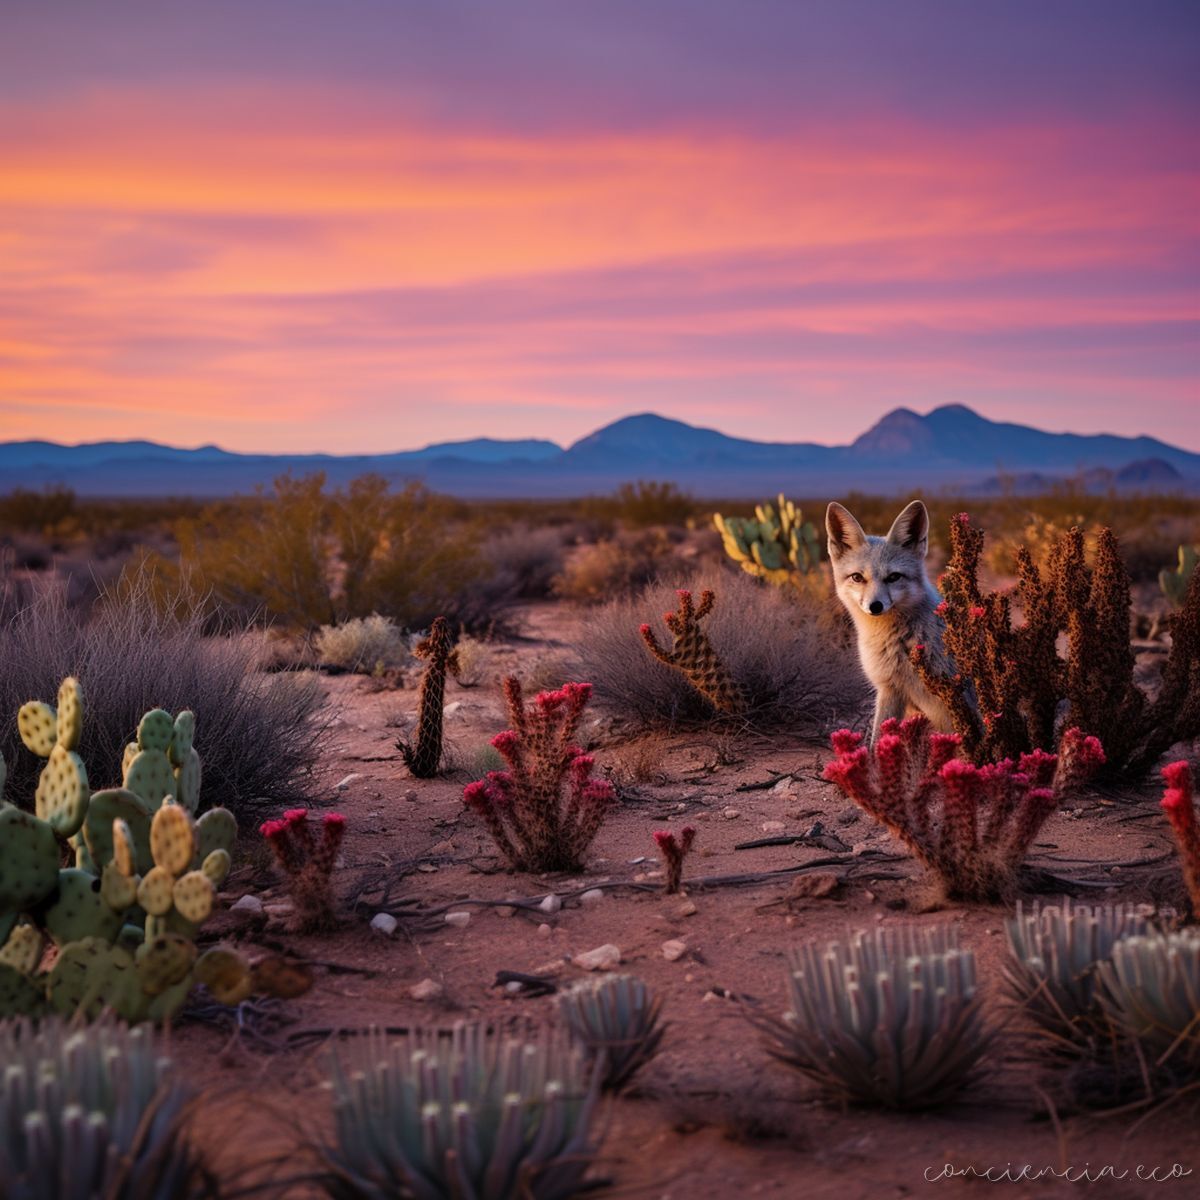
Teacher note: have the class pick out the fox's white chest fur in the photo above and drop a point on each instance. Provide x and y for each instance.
(882, 583)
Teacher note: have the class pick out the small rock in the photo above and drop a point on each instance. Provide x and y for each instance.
(513, 986)
(687, 909)
(458, 919)
(427, 868)
(427, 989)
(343, 784)
(249, 904)
(591, 898)
(551, 904)
(641, 858)
(731, 814)
(816, 885)
(674, 949)
(410, 795)
(384, 923)
(772, 827)
(603, 958)
(544, 931)
(452, 708)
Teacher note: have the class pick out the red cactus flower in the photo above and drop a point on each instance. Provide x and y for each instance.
(294, 816)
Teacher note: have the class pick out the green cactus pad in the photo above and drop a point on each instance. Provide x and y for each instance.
(132, 750)
(130, 938)
(182, 737)
(226, 974)
(70, 713)
(119, 891)
(28, 860)
(83, 856)
(79, 911)
(8, 922)
(118, 804)
(62, 793)
(187, 781)
(216, 866)
(193, 895)
(156, 730)
(22, 951)
(92, 975)
(165, 1006)
(163, 962)
(173, 838)
(124, 856)
(19, 995)
(37, 724)
(151, 776)
(216, 830)
(154, 892)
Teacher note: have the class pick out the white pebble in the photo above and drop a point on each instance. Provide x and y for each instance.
(551, 904)
(603, 958)
(384, 923)
(458, 919)
(343, 784)
(591, 897)
(427, 989)
(674, 949)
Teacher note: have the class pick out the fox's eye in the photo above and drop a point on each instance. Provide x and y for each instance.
(894, 577)
(858, 577)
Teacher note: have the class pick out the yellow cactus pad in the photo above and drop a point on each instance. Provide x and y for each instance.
(226, 975)
(124, 851)
(118, 891)
(131, 752)
(216, 866)
(70, 713)
(62, 793)
(37, 724)
(172, 838)
(23, 950)
(193, 895)
(154, 892)
(163, 962)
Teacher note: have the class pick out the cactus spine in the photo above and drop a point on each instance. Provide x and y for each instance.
(424, 755)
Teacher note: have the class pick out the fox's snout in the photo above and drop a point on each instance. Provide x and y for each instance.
(875, 605)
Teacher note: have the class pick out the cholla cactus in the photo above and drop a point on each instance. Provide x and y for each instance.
(1179, 804)
(1055, 953)
(891, 1017)
(424, 755)
(1150, 990)
(971, 826)
(523, 806)
(92, 1113)
(460, 1115)
(693, 654)
(616, 1017)
(307, 862)
(673, 853)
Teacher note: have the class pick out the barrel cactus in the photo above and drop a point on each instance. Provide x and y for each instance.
(1150, 990)
(890, 1017)
(460, 1115)
(1052, 969)
(617, 1017)
(92, 1113)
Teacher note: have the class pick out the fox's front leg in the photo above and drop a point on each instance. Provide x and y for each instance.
(888, 704)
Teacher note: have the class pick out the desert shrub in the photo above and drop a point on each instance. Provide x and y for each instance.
(474, 661)
(360, 644)
(523, 563)
(545, 809)
(892, 1017)
(970, 826)
(786, 657)
(617, 567)
(261, 736)
(645, 503)
(1010, 679)
(469, 1114)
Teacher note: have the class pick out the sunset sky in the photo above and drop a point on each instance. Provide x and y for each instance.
(367, 226)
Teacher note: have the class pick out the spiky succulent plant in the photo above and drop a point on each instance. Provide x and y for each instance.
(615, 1016)
(460, 1115)
(1150, 989)
(91, 1113)
(890, 1017)
(1055, 952)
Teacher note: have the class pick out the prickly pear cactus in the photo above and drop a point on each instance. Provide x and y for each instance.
(693, 654)
(1175, 583)
(424, 755)
(780, 547)
(62, 791)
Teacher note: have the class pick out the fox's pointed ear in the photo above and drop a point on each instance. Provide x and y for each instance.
(911, 528)
(845, 533)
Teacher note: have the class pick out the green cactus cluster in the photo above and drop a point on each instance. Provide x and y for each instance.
(92, 1113)
(1175, 583)
(615, 1017)
(125, 917)
(776, 544)
(891, 1017)
(1053, 964)
(460, 1114)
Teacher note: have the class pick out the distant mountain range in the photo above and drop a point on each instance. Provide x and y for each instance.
(949, 449)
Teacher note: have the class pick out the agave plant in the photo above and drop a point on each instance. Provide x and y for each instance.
(890, 1017)
(1150, 990)
(1055, 953)
(460, 1115)
(91, 1113)
(615, 1017)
